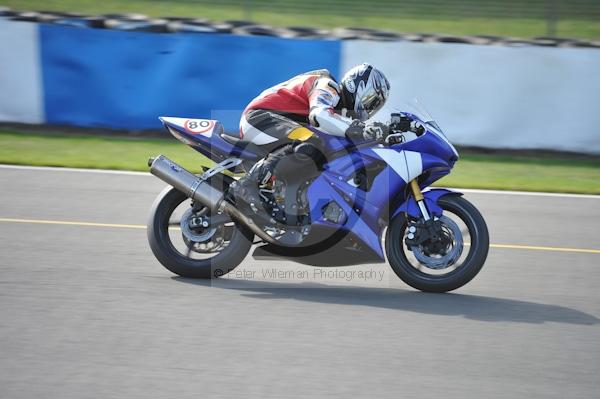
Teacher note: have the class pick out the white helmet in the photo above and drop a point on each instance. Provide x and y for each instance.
(365, 90)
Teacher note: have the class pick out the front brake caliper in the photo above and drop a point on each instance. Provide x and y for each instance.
(422, 231)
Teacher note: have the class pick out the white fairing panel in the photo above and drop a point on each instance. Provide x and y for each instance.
(408, 164)
(205, 127)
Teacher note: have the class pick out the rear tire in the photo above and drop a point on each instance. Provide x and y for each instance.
(460, 276)
(160, 243)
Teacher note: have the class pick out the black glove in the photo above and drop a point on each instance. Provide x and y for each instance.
(370, 131)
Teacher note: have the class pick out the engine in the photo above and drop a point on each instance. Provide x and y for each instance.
(294, 211)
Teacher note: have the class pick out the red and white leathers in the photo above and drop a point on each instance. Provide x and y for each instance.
(312, 97)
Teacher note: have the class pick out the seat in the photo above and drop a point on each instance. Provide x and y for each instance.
(230, 137)
(242, 145)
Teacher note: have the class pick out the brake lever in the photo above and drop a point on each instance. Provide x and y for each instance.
(395, 138)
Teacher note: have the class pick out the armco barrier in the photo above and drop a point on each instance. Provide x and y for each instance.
(144, 23)
(488, 96)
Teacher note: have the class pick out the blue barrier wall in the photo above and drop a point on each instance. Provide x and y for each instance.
(104, 78)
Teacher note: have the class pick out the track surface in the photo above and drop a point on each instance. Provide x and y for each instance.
(86, 311)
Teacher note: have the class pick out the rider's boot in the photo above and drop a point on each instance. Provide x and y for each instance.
(245, 190)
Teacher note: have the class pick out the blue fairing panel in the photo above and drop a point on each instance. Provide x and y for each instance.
(325, 189)
(322, 191)
(431, 199)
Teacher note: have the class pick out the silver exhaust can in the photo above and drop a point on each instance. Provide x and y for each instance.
(185, 181)
(198, 189)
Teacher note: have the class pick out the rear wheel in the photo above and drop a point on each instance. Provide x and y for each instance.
(449, 263)
(190, 241)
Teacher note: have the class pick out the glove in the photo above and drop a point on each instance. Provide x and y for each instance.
(371, 131)
(376, 131)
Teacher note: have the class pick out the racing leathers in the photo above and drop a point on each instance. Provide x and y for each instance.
(276, 120)
(310, 98)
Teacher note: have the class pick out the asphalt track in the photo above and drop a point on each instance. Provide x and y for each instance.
(87, 312)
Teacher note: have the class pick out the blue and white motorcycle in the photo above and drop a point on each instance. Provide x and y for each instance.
(368, 194)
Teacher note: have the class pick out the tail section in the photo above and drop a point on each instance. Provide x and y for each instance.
(206, 137)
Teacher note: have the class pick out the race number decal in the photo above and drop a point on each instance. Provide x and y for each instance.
(198, 126)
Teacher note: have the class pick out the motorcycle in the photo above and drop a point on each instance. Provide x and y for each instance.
(369, 194)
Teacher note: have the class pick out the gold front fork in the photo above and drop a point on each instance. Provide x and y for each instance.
(416, 190)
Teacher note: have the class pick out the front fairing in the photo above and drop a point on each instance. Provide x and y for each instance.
(426, 158)
(432, 145)
(433, 141)
(332, 144)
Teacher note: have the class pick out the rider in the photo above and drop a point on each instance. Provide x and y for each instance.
(276, 119)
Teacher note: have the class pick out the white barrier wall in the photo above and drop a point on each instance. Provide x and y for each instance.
(21, 96)
(493, 96)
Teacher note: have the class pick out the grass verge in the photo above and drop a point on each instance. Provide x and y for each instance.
(528, 173)
(96, 152)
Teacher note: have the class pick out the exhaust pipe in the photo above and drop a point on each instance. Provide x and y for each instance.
(199, 190)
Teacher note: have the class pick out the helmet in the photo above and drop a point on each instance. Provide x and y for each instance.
(365, 90)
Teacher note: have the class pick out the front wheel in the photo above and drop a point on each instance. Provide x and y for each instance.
(451, 261)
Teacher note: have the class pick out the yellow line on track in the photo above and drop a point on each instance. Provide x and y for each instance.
(539, 248)
(61, 222)
(138, 226)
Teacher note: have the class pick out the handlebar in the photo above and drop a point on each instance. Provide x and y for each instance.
(395, 138)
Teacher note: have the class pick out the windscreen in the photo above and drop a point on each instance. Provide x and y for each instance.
(417, 108)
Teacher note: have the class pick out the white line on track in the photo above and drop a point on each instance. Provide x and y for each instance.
(82, 170)
(131, 173)
(527, 193)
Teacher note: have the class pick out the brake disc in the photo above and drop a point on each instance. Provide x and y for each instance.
(453, 252)
(206, 240)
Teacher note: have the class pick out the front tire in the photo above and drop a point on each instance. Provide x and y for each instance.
(414, 275)
(183, 264)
